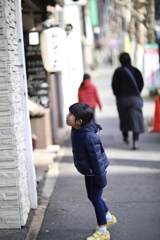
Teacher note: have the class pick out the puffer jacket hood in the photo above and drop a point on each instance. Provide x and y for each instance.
(88, 153)
(90, 127)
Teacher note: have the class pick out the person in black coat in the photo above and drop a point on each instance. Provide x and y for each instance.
(91, 161)
(127, 84)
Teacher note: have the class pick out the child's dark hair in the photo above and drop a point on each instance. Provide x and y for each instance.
(85, 76)
(83, 111)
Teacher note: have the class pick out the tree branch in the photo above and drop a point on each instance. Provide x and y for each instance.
(127, 4)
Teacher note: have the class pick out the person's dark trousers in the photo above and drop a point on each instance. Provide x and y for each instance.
(125, 137)
(135, 136)
(135, 140)
(95, 196)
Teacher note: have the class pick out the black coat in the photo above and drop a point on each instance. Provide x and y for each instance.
(122, 83)
(88, 153)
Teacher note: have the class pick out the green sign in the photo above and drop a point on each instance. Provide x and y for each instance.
(94, 12)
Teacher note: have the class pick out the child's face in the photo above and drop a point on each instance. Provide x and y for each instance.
(70, 121)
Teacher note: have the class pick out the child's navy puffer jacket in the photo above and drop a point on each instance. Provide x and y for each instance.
(88, 153)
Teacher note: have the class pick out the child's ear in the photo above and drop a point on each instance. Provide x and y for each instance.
(79, 121)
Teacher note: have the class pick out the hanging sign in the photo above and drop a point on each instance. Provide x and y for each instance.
(52, 44)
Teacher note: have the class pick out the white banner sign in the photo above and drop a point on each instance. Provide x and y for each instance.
(53, 48)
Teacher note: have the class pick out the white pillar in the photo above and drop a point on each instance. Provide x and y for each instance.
(74, 52)
(26, 121)
(14, 196)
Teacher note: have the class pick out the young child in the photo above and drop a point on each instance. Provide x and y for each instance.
(88, 93)
(91, 161)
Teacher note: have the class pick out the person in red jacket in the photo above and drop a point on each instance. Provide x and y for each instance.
(88, 93)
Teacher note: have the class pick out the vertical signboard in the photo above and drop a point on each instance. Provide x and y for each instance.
(151, 66)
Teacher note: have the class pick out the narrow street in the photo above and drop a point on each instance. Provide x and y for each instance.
(133, 191)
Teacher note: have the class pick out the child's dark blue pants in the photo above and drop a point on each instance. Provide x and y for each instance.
(95, 196)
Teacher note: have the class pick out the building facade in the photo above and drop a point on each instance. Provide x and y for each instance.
(16, 198)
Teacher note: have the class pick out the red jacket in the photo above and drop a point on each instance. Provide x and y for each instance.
(89, 94)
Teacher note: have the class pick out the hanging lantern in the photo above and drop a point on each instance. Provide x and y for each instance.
(52, 44)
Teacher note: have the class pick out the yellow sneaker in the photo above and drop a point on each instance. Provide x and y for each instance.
(99, 236)
(111, 222)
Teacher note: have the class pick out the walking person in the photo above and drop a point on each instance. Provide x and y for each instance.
(88, 93)
(91, 161)
(127, 84)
